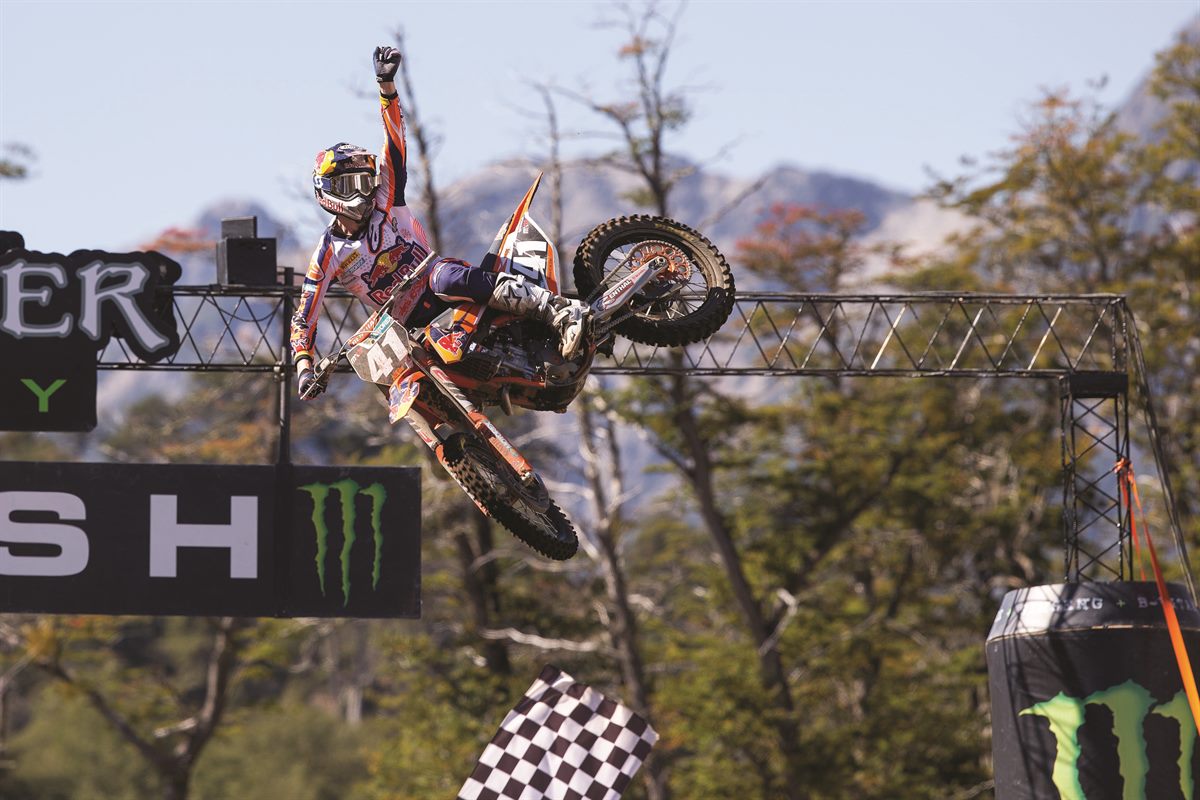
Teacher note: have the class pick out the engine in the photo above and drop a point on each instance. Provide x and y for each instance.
(521, 350)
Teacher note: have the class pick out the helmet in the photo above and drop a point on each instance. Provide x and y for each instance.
(344, 180)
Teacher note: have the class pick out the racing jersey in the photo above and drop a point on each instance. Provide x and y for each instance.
(393, 244)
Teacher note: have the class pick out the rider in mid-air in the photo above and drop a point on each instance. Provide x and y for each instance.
(375, 241)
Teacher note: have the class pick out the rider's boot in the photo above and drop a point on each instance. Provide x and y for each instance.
(570, 319)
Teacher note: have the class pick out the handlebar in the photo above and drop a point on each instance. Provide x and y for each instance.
(324, 368)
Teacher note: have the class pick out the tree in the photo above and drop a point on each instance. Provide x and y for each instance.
(16, 166)
(645, 118)
(168, 726)
(1079, 205)
(644, 123)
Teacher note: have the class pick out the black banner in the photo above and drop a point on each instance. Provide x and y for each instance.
(1087, 700)
(57, 312)
(204, 540)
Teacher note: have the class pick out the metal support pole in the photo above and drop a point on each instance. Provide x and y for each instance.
(284, 370)
(284, 482)
(1134, 344)
(1070, 520)
(1095, 431)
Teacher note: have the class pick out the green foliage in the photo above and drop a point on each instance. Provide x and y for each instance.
(441, 710)
(1078, 205)
(867, 517)
(293, 751)
(1176, 82)
(715, 722)
(18, 446)
(65, 731)
(222, 419)
(806, 249)
(1057, 213)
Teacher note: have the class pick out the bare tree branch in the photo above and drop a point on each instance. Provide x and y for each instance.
(424, 148)
(542, 642)
(114, 718)
(222, 662)
(740, 198)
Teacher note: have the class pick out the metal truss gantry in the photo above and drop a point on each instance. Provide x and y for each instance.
(1080, 342)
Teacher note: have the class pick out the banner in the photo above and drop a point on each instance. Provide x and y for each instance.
(202, 540)
(57, 312)
(1087, 701)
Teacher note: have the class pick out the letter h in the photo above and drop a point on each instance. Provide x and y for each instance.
(167, 535)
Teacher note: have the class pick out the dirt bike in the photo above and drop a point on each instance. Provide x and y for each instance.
(649, 279)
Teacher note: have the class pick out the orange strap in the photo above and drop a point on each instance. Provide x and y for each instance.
(1124, 472)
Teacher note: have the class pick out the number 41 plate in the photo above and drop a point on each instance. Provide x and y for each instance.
(380, 355)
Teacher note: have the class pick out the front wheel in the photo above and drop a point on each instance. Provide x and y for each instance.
(686, 304)
(527, 512)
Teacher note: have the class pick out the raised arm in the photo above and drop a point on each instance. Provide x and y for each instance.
(393, 171)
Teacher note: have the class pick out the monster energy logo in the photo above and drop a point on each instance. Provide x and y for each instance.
(1130, 704)
(347, 491)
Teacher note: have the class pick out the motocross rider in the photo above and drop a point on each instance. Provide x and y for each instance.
(375, 240)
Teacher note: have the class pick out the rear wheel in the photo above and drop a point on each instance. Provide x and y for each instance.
(686, 304)
(527, 512)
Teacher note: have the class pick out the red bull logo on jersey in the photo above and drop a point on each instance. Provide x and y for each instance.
(404, 254)
(385, 264)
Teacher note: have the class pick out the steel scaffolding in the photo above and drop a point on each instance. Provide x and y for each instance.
(1080, 342)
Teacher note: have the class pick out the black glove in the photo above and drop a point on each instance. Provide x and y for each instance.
(387, 61)
(308, 384)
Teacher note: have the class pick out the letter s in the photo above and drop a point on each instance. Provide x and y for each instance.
(72, 541)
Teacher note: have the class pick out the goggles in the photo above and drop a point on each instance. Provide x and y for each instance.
(351, 184)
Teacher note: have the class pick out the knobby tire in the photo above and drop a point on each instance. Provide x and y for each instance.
(465, 456)
(717, 304)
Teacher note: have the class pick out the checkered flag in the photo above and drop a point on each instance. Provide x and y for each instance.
(562, 741)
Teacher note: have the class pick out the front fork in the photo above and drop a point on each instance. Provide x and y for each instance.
(423, 429)
(429, 436)
(617, 296)
(477, 420)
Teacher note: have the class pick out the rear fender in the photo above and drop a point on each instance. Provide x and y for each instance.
(521, 247)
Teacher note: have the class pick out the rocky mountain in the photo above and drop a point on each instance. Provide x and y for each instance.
(1141, 113)
(723, 207)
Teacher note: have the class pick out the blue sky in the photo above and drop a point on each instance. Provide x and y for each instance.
(142, 114)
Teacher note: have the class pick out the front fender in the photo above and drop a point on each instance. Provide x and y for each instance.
(401, 395)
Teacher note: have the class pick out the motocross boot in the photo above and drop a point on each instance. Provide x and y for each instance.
(570, 319)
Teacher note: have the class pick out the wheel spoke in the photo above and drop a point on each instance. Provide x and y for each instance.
(687, 303)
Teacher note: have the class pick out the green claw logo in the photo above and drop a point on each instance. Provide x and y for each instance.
(1130, 705)
(347, 491)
